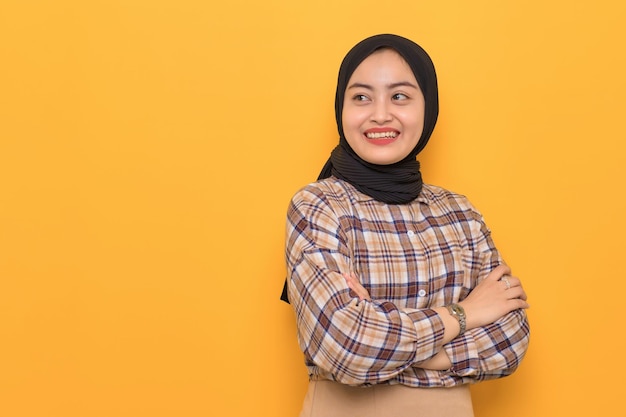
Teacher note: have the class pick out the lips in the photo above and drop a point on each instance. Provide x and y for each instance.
(381, 136)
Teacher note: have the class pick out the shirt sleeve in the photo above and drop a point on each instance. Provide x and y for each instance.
(357, 342)
(496, 350)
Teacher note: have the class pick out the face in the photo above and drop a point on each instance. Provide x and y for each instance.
(383, 109)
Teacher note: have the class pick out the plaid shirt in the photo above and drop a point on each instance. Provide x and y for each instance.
(410, 258)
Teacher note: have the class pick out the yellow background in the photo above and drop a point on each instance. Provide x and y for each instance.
(149, 148)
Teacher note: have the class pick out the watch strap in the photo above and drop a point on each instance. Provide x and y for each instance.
(458, 313)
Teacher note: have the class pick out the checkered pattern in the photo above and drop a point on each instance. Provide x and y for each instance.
(410, 258)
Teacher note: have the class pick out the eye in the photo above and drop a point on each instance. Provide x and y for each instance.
(399, 96)
(360, 97)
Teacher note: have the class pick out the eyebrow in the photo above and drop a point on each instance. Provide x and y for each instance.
(390, 86)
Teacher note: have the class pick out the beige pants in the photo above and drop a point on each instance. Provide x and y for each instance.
(331, 399)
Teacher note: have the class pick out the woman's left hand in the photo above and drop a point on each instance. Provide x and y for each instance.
(353, 283)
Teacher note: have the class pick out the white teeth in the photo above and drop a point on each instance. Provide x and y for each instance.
(382, 135)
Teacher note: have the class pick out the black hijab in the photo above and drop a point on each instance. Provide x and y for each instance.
(397, 183)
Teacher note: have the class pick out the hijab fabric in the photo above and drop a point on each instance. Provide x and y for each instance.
(397, 183)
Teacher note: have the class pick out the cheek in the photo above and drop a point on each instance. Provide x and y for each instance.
(351, 120)
(351, 130)
(352, 135)
(413, 122)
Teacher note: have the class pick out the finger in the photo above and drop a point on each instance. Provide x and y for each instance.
(356, 286)
(520, 304)
(350, 276)
(353, 285)
(505, 282)
(353, 290)
(517, 292)
(361, 295)
(514, 281)
(498, 272)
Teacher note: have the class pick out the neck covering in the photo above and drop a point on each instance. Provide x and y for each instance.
(400, 182)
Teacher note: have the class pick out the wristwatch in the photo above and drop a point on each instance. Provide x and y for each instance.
(458, 313)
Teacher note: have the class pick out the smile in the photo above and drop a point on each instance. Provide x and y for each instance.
(381, 135)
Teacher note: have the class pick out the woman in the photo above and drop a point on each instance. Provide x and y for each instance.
(401, 297)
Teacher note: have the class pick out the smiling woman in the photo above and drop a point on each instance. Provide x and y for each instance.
(148, 150)
(401, 297)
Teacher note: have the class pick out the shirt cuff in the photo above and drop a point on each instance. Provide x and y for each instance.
(463, 354)
(429, 328)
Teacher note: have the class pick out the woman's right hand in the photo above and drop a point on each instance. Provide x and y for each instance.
(498, 294)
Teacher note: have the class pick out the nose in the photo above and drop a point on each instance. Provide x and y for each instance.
(381, 112)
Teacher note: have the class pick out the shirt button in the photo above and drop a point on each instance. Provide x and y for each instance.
(410, 233)
(421, 293)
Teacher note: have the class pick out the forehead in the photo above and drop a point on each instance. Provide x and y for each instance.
(384, 63)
